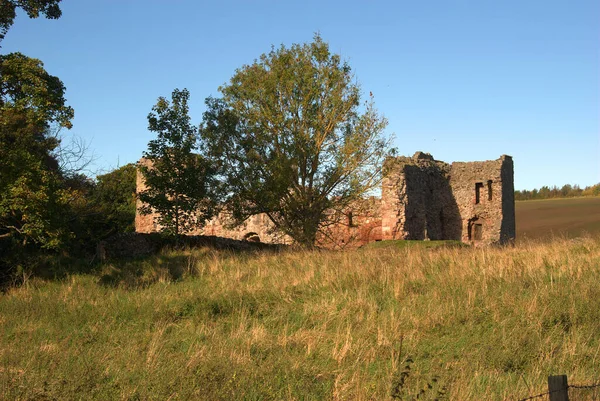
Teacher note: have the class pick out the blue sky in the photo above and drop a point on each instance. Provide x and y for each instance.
(462, 80)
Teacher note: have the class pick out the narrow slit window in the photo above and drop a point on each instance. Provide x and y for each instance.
(350, 222)
(489, 185)
(478, 187)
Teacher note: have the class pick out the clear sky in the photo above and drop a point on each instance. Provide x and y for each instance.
(462, 80)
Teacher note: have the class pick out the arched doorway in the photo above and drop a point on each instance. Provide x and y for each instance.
(476, 229)
(252, 237)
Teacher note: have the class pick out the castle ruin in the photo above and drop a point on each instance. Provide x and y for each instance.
(421, 199)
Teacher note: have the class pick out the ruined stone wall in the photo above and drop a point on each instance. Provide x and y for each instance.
(484, 193)
(423, 198)
(144, 223)
(257, 228)
(417, 201)
(360, 224)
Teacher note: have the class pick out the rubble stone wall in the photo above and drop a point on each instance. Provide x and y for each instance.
(473, 202)
(359, 225)
(421, 199)
(484, 192)
(417, 201)
(258, 228)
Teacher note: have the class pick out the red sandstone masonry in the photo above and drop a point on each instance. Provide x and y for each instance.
(421, 198)
(256, 228)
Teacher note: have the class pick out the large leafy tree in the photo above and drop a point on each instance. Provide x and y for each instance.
(34, 200)
(33, 8)
(181, 187)
(293, 140)
(32, 194)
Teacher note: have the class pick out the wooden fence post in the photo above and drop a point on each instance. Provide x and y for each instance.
(558, 388)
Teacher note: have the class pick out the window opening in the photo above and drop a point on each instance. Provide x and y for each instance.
(478, 186)
(489, 185)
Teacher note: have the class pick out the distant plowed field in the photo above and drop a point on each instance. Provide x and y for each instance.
(557, 217)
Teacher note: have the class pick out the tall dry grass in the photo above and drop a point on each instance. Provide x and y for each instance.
(370, 324)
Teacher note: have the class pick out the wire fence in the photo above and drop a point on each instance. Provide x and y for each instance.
(586, 392)
(568, 392)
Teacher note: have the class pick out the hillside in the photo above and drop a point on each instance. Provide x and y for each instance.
(473, 324)
(571, 217)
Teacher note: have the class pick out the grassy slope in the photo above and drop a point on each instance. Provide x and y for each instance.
(417, 244)
(570, 217)
(484, 323)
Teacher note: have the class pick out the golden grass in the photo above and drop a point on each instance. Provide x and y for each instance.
(474, 324)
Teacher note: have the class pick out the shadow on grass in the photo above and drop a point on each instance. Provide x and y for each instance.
(46, 266)
(127, 260)
(144, 271)
(169, 260)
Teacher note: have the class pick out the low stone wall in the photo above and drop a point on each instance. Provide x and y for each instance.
(133, 245)
(358, 225)
(258, 227)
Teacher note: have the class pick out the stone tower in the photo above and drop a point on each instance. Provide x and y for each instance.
(423, 198)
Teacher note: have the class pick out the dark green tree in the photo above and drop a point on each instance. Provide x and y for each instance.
(34, 200)
(180, 184)
(115, 196)
(101, 208)
(32, 194)
(33, 8)
(292, 139)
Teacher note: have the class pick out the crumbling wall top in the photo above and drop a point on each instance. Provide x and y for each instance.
(420, 159)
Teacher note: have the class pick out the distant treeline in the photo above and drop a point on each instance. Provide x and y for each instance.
(566, 191)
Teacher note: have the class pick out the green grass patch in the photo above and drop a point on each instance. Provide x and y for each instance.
(400, 244)
(372, 324)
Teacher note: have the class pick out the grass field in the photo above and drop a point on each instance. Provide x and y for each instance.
(371, 324)
(543, 219)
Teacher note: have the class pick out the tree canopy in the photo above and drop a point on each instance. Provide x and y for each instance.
(26, 87)
(292, 139)
(33, 8)
(180, 184)
(115, 195)
(31, 192)
(566, 191)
